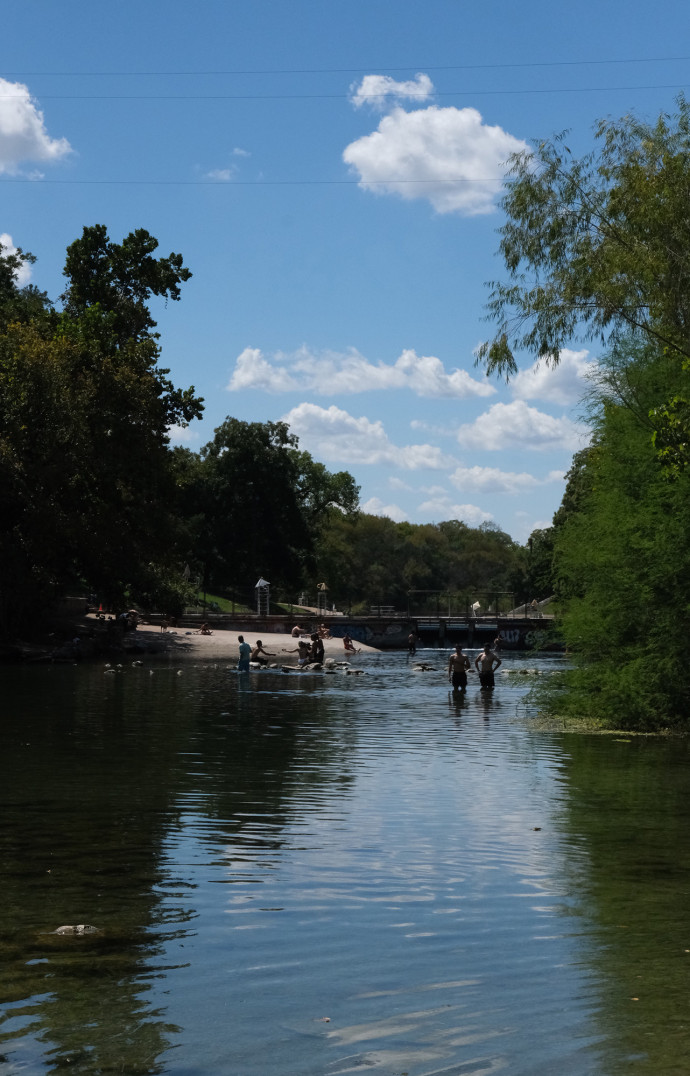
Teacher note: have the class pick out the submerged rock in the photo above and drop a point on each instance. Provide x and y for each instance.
(81, 928)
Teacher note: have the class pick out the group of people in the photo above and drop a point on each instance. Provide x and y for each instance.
(309, 653)
(485, 663)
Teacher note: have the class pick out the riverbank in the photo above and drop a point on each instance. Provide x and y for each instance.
(223, 646)
(92, 639)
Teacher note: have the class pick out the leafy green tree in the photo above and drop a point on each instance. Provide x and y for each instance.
(597, 246)
(623, 558)
(85, 474)
(259, 503)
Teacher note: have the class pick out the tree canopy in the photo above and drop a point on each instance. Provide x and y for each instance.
(596, 246)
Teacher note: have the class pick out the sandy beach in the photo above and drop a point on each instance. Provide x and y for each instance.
(223, 646)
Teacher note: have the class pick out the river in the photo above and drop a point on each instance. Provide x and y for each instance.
(313, 875)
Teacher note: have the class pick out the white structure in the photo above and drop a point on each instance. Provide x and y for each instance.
(263, 591)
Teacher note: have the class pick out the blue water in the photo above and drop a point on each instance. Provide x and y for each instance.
(326, 874)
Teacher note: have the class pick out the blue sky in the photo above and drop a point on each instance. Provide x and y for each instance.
(330, 172)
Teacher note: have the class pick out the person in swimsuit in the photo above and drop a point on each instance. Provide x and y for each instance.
(258, 651)
(458, 665)
(485, 664)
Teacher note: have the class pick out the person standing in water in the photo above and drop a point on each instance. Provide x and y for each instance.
(486, 663)
(245, 651)
(458, 665)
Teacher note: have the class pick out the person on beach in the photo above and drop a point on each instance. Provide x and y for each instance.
(458, 665)
(324, 632)
(297, 631)
(258, 651)
(205, 630)
(348, 645)
(317, 651)
(302, 649)
(486, 663)
(245, 651)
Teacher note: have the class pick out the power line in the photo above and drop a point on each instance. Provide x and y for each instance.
(351, 70)
(244, 182)
(329, 96)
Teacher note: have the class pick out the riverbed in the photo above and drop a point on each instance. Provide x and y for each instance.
(311, 875)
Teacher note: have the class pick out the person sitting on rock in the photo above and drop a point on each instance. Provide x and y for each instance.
(258, 651)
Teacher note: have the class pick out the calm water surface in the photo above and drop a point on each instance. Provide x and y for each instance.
(316, 875)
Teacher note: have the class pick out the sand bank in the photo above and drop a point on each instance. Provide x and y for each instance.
(223, 646)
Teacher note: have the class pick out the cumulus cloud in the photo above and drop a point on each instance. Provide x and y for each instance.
(330, 373)
(375, 507)
(23, 136)
(239, 152)
(23, 273)
(442, 507)
(397, 483)
(221, 175)
(562, 384)
(446, 155)
(181, 435)
(493, 480)
(334, 434)
(378, 91)
(517, 425)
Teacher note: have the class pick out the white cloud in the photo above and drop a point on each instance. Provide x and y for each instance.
(516, 425)
(442, 507)
(23, 136)
(333, 434)
(23, 274)
(221, 175)
(375, 507)
(562, 384)
(378, 91)
(239, 152)
(181, 435)
(253, 371)
(447, 155)
(492, 480)
(330, 373)
(397, 483)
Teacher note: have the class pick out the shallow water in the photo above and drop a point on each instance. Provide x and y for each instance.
(329, 874)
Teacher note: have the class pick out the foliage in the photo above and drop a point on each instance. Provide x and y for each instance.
(597, 246)
(85, 476)
(369, 559)
(623, 556)
(256, 504)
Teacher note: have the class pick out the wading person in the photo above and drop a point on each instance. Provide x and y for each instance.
(245, 651)
(486, 663)
(458, 665)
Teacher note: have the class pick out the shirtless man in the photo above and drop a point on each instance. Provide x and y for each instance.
(457, 669)
(258, 651)
(485, 663)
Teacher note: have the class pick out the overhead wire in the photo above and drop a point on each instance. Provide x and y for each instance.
(354, 70)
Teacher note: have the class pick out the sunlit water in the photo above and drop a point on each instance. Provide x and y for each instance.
(297, 875)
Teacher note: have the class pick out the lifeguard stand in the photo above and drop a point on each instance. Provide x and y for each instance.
(322, 599)
(263, 593)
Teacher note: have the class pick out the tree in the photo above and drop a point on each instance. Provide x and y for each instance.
(85, 470)
(260, 503)
(597, 246)
(622, 558)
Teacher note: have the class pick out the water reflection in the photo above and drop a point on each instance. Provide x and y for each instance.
(325, 874)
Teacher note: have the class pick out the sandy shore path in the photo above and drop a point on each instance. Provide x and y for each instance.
(223, 646)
